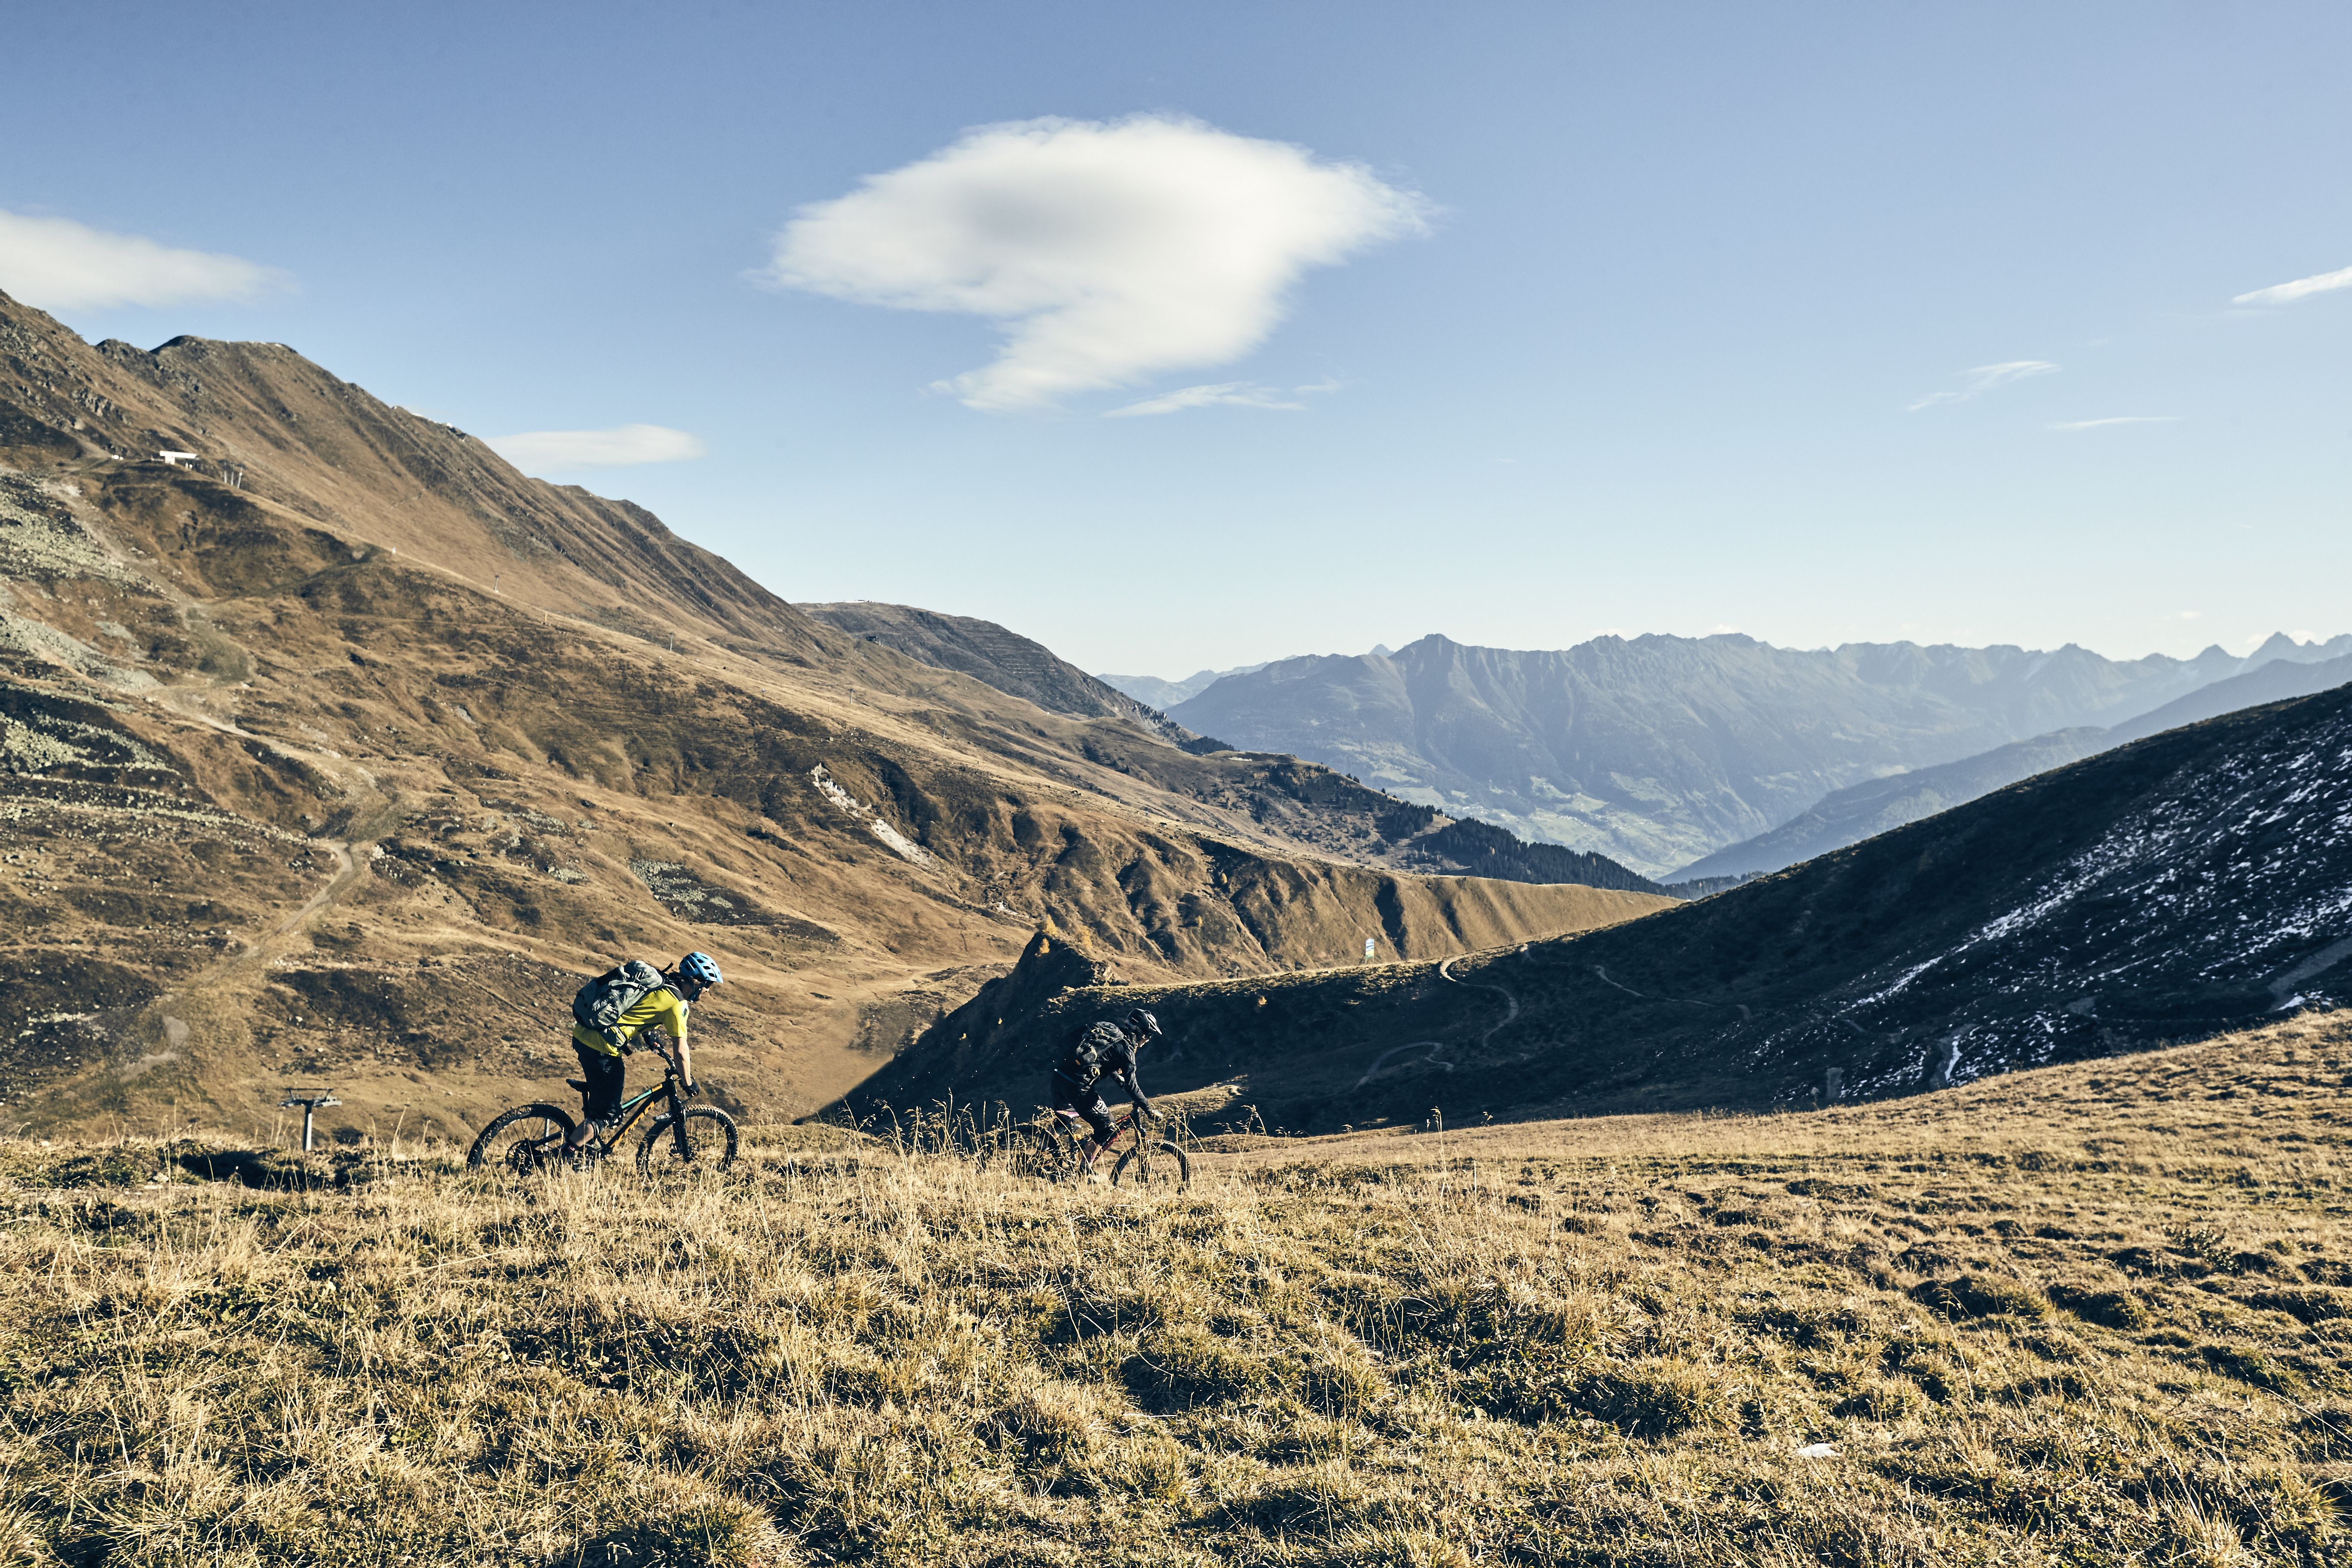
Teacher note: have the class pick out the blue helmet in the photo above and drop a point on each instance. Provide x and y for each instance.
(700, 967)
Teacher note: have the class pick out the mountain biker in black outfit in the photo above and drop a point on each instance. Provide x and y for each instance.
(1104, 1051)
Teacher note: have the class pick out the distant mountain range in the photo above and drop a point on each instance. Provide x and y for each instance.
(1851, 815)
(1165, 694)
(1659, 751)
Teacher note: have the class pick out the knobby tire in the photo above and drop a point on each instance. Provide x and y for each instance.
(710, 1133)
(1156, 1166)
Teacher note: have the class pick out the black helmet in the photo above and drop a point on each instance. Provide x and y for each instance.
(1143, 1025)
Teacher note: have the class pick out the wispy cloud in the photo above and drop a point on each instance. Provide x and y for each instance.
(2302, 288)
(1984, 378)
(1110, 251)
(56, 264)
(1233, 393)
(554, 451)
(2117, 419)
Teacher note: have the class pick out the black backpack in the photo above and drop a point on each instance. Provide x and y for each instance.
(601, 1002)
(1098, 1043)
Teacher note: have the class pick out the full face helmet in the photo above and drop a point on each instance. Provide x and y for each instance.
(1142, 1027)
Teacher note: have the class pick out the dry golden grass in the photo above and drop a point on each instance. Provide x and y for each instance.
(2096, 1314)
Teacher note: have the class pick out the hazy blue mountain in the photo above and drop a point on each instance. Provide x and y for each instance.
(1154, 693)
(1657, 750)
(1861, 811)
(2275, 682)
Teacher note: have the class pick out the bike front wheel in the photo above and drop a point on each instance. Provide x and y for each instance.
(525, 1141)
(1159, 1166)
(704, 1137)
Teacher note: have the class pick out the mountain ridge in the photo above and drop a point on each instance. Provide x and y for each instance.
(1657, 750)
(1019, 666)
(1849, 815)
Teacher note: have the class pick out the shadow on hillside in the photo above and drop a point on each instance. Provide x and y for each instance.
(275, 1170)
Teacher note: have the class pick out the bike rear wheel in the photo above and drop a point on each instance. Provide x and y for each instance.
(709, 1137)
(1157, 1166)
(525, 1141)
(1043, 1153)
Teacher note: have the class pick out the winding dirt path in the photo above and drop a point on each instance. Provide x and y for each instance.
(349, 869)
(1744, 1015)
(1445, 972)
(1510, 1000)
(238, 968)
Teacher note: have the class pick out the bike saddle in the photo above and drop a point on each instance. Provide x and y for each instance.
(579, 1083)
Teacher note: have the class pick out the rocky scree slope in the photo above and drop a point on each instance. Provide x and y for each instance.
(1658, 750)
(339, 754)
(2192, 882)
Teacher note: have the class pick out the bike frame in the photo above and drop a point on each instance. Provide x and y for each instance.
(1074, 1127)
(635, 1107)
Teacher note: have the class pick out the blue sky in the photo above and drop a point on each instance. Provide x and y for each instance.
(1619, 318)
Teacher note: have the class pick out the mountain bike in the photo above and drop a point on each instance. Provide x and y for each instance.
(1052, 1149)
(528, 1138)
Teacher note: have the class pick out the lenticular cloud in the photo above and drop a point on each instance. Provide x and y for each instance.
(1110, 251)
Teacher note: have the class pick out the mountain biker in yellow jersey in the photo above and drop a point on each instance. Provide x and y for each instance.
(602, 1049)
(1104, 1051)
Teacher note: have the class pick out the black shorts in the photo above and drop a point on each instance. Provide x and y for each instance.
(606, 1075)
(1084, 1095)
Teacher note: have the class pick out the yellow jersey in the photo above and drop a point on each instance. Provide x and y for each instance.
(661, 1005)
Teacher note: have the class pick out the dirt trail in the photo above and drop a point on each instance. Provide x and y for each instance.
(349, 868)
(239, 967)
(1510, 999)
(1744, 1015)
(1445, 972)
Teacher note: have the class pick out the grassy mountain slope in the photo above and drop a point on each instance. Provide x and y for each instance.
(338, 755)
(1001, 658)
(1659, 751)
(2091, 1314)
(2161, 891)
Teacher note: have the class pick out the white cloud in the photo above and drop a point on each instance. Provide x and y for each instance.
(2117, 419)
(543, 451)
(1108, 251)
(2287, 293)
(56, 264)
(1235, 394)
(1985, 377)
